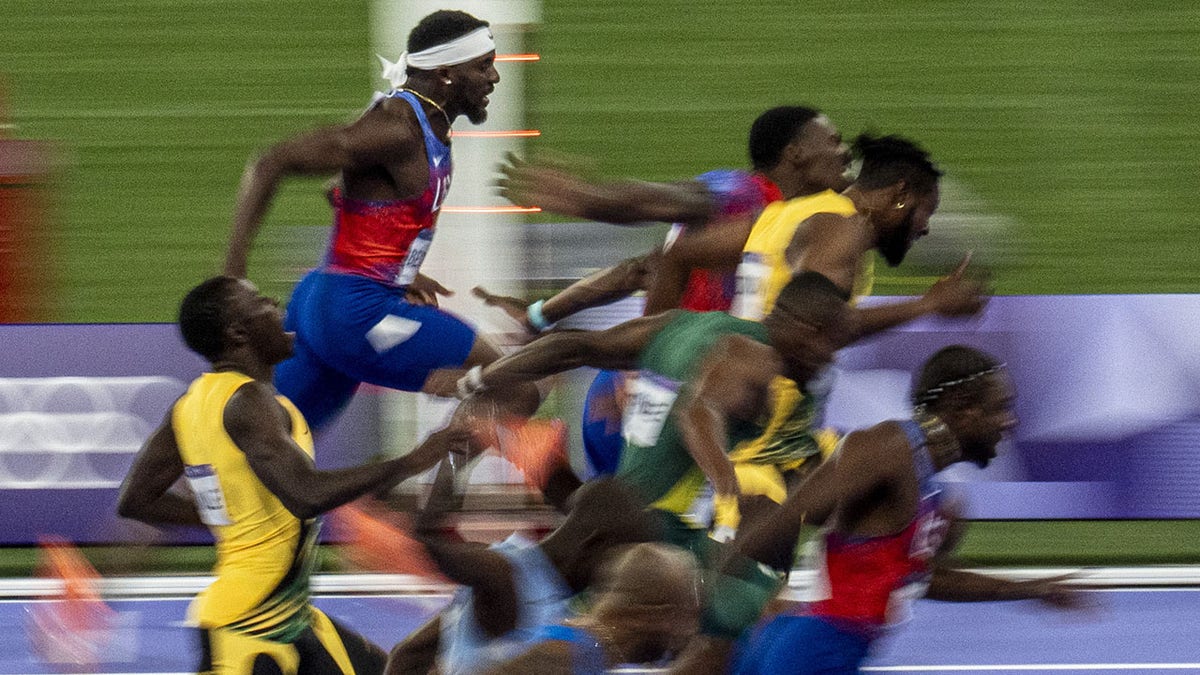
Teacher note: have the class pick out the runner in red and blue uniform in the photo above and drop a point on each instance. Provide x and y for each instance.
(367, 314)
(884, 527)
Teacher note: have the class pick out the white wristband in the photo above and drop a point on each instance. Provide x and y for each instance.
(471, 383)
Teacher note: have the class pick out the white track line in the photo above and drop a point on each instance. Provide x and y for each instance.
(1057, 667)
(1125, 578)
(1078, 667)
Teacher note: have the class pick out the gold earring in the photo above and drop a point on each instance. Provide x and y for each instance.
(899, 205)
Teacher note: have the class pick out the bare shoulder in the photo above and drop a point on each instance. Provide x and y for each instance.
(743, 346)
(832, 245)
(833, 227)
(747, 355)
(884, 445)
(253, 405)
(390, 126)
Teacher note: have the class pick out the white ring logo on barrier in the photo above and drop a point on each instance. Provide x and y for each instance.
(77, 432)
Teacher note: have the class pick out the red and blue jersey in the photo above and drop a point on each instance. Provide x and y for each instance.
(738, 195)
(866, 583)
(387, 240)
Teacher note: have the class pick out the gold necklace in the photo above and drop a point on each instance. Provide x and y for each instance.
(430, 101)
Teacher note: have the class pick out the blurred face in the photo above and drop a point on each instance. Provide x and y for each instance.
(910, 223)
(807, 338)
(822, 156)
(989, 421)
(261, 319)
(472, 82)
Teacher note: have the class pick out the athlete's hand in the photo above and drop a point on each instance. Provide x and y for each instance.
(1059, 593)
(957, 294)
(441, 443)
(516, 308)
(424, 291)
(547, 186)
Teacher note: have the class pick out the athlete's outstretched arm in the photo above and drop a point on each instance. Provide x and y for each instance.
(260, 427)
(600, 288)
(957, 585)
(146, 491)
(616, 348)
(866, 460)
(620, 202)
(955, 295)
(321, 152)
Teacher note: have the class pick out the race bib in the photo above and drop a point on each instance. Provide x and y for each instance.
(210, 500)
(650, 401)
(416, 256)
(927, 540)
(752, 275)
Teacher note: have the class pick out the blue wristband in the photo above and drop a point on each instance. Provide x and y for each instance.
(535, 316)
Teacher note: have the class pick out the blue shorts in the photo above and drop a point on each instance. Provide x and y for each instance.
(800, 645)
(587, 658)
(349, 330)
(601, 428)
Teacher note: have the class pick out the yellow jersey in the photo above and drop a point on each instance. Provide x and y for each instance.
(265, 555)
(789, 439)
(764, 269)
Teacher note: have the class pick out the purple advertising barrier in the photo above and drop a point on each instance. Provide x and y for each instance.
(1108, 396)
(77, 401)
(1108, 393)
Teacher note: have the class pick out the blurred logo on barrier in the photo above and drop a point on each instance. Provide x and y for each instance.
(77, 432)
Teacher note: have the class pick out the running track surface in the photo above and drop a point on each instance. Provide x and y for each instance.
(1144, 631)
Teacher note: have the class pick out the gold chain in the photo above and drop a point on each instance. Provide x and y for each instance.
(428, 100)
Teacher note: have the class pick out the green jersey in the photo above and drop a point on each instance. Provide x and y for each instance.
(655, 461)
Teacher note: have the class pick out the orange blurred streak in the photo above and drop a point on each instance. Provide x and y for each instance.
(502, 58)
(491, 209)
(386, 545)
(70, 628)
(516, 133)
(536, 447)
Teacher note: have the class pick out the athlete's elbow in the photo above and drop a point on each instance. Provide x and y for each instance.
(266, 166)
(301, 507)
(131, 508)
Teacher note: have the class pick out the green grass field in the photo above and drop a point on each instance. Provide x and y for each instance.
(1074, 123)
(988, 543)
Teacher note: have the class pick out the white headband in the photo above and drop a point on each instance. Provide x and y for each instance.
(459, 50)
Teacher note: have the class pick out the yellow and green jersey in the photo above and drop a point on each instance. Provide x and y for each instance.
(265, 555)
